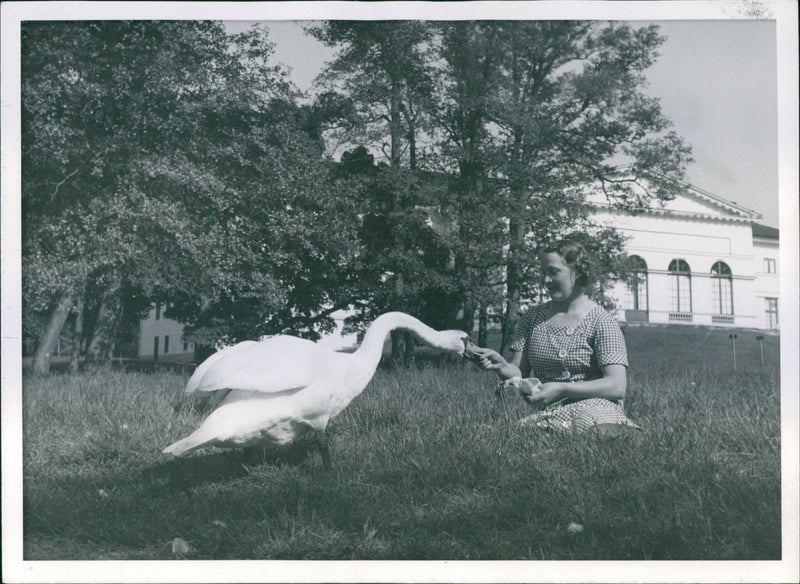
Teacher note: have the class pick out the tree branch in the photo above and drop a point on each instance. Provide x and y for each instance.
(327, 312)
(61, 183)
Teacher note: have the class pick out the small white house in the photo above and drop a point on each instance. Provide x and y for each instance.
(161, 339)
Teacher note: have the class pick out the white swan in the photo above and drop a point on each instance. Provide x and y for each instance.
(284, 387)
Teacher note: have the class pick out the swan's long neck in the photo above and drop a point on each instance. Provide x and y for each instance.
(372, 346)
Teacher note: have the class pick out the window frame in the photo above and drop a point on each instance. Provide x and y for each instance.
(677, 275)
(772, 309)
(637, 293)
(721, 275)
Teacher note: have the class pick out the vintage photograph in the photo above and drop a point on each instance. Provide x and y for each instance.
(497, 296)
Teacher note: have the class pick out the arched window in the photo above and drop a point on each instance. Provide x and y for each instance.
(636, 284)
(721, 292)
(680, 290)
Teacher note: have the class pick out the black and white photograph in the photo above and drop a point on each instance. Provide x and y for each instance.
(400, 291)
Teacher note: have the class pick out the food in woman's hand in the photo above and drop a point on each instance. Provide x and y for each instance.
(472, 351)
(519, 385)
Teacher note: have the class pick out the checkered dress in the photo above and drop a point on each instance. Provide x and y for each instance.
(559, 353)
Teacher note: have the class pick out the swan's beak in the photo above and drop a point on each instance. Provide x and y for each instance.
(469, 353)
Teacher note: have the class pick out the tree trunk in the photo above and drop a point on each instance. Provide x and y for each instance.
(513, 283)
(483, 326)
(467, 321)
(515, 229)
(100, 348)
(49, 338)
(395, 125)
(401, 347)
(412, 144)
(77, 336)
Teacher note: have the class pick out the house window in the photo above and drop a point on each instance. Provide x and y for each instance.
(636, 284)
(772, 313)
(680, 287)
(185, 346)
(721, 288)
(155, 348)
(769, 266)
(166, 344)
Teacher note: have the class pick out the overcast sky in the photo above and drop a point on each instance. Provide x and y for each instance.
(716, 80)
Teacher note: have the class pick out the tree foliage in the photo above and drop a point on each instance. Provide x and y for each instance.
(171, 158)
(385, 71)
(171, 162)
(550, 109)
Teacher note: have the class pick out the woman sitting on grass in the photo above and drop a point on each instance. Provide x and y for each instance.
(569, 356)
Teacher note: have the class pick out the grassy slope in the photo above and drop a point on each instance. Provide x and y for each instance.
(427, 466)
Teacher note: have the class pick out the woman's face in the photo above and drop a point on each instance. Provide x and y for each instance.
(558, 277)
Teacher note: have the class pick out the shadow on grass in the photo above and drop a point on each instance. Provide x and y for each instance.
(217, 467)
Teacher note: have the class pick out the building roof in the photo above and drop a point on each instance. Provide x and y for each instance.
(722, 202)
(765, 231)
(717, 207)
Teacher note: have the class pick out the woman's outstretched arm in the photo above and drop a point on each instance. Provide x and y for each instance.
(491, 360)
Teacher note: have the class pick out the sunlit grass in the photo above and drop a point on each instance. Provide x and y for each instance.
(427, 465)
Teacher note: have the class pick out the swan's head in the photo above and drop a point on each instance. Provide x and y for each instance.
(455, 341)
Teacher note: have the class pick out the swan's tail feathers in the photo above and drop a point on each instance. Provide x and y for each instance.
(182, 447)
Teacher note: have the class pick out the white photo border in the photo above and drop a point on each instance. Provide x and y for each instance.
(15, 569)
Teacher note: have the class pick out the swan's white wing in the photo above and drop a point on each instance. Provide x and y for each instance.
(280, 363)
(194, 380)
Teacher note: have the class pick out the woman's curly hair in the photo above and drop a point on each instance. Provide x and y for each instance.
(577, 258)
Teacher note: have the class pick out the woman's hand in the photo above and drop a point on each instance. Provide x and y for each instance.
(488, 359)
(491, 360)
(547, 394)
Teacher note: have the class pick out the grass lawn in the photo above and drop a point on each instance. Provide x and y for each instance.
(427, 465)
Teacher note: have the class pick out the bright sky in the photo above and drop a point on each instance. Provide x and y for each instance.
(716, 80)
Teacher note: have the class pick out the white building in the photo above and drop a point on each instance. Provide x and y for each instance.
(702, 261)
(161, 339)
(765, 263)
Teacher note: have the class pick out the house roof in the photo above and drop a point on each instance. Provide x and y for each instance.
(765, 231)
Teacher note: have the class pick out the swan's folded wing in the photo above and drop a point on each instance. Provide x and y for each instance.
(269, 366)
(200, 371)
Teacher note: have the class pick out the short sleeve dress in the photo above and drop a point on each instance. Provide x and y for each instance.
(575, 354)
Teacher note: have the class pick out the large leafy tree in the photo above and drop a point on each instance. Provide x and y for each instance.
(98, 102)
(528, 116)
(278, 256)
(169, 159)
(470, 54)
(384, 70)
(565, 109)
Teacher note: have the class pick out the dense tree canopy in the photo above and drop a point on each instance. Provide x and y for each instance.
(171, 158)
(523, 116)
(173, 162)
(384, 69)
(548, 109)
